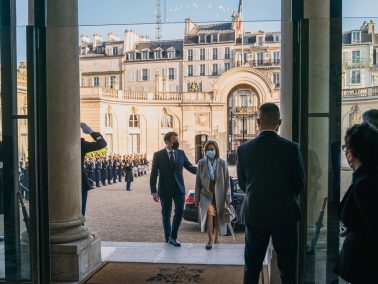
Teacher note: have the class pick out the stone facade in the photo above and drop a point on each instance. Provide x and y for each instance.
(200, 87)
(360, 74)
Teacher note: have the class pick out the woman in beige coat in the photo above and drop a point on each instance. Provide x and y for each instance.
(212, 192)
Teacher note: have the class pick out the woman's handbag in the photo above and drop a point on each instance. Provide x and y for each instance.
(228, 214)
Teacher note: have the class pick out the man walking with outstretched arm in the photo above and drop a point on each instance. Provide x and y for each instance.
(168, 164)
(271, 172)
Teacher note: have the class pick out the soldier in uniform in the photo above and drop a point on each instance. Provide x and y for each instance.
(92, 170)
(115, 168)
(120, 168)
(98, 172)
(104, 171)
(109, 169)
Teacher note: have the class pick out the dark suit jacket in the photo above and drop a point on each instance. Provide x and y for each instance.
(86, 147)
(270, 170)
(358, 211)
(169, 179)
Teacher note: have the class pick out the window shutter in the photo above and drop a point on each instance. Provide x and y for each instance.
(174, 73)
(148, 74)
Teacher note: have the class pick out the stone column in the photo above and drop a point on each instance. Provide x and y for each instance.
(75, 251)
(286, 69)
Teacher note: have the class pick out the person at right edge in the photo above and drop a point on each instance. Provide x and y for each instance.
(86, 147)
(270, 170)
(358, 209)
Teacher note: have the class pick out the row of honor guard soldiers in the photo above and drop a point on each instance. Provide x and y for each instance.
(103, 170)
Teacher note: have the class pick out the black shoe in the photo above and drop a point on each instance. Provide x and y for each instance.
(209, 247)
(174, 242)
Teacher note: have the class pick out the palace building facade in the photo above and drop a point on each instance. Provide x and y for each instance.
(207, 85)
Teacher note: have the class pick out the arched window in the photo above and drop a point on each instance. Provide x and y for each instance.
(134, 121)
(23, 111)
(109, 120)
(167, 121)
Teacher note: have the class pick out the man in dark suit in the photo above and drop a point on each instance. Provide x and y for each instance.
(271, 172)
(86, 147)
(168, 164)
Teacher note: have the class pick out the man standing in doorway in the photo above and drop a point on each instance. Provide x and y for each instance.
(271, 172)
(168, 164)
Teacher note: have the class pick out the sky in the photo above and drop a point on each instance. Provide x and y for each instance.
(102, 17)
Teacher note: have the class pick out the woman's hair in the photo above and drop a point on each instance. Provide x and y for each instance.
(362, 142)
(215, 144)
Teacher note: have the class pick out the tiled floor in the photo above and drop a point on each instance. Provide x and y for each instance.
(164, 253)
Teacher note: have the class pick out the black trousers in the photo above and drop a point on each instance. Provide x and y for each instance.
(285, 243)
(166, 209)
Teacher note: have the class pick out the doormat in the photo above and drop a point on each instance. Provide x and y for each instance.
(156, 273)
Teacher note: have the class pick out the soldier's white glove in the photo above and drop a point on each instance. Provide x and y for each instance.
(86, 129)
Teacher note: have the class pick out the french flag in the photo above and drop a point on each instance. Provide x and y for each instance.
(240, 11)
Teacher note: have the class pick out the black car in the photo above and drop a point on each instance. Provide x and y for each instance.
(191, 211)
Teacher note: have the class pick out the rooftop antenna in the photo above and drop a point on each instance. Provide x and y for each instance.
(158, 22)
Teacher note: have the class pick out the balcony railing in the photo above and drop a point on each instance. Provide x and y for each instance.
(146, 97)
(356, 62)
(264, 62)
(360, 93)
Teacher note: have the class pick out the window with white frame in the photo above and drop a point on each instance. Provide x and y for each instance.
(166, 121)
(134, 143)
(356, 77)
(202, 70)
(214, 37)
(215, 53)
(131, 56)
(201, 39)
(171, 54)
(227, 53)
(356, 56)
(171, 73)
(276, 57)
(115, 50)
(145, 73)
(260, 58)
(157, 54)
(134, 121)
(96, 81)
(110, 81)
(227, 66)
(190, 70)
(109, 120)
(200, 87)
(190, 54)
(215, 69)
(202, 54)
(276, 78)
(260, 40)
(356, 37)
(145, 55)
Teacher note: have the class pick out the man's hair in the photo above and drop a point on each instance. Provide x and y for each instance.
(362, 142)
(269, 112)
(167, 137)
(371, 117)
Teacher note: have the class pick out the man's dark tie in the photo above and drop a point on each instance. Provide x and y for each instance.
(172, 159)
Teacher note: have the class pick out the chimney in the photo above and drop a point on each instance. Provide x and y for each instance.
(97, 40)
(84, 40)
(371, 27)
(188, 26)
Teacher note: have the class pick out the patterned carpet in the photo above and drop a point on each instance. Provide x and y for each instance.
(156, 273)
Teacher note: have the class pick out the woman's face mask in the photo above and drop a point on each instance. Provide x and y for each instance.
(210, 154)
